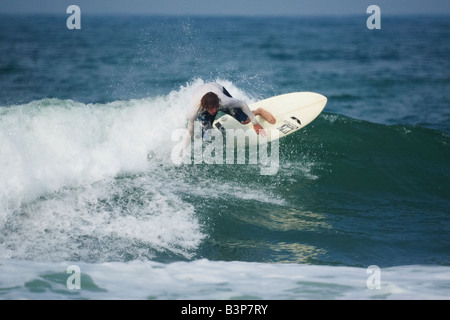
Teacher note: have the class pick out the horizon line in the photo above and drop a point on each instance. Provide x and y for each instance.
(243, 15)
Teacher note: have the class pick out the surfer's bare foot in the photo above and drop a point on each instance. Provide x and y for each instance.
(266, 115)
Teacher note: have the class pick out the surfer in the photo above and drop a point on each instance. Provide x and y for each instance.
(212, 97)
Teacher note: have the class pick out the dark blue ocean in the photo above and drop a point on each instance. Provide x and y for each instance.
(86, 177)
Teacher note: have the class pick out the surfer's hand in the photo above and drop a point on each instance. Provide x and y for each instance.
(260, 130)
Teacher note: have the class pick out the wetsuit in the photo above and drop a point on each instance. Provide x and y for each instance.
(234, 107)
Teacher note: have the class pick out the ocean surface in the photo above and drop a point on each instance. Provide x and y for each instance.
(359, 207)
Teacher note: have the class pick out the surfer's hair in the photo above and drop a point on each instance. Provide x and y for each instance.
(210, 101)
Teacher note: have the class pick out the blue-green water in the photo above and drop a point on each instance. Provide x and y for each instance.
(86, 176)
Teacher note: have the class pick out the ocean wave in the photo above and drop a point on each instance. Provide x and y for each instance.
(95, 182)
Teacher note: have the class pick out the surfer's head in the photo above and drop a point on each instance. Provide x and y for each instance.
(210, 103)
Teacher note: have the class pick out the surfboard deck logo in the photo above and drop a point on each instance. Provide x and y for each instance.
(287, 127)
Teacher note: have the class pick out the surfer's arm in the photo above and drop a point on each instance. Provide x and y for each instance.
(236, 103)
(190, 132)
(187, 137)
(190, 128)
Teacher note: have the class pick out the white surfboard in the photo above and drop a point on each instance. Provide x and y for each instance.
(292, 111)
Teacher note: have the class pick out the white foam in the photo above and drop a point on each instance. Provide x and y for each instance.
(51, 143)
(207, 280)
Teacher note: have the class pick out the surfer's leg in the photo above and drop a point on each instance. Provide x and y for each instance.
(238, 114)
(265, 114)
